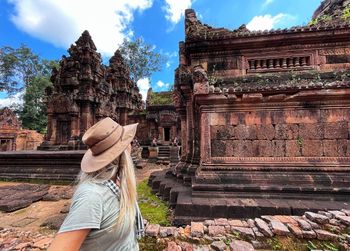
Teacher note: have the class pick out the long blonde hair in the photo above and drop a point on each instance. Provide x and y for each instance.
(124, 168)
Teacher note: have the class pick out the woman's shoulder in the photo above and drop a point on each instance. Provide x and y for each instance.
(90, 189)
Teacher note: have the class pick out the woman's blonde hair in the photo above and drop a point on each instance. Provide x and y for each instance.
(123, 168)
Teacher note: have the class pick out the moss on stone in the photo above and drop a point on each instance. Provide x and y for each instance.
(153, 209)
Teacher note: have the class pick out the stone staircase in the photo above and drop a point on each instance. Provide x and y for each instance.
(163, 155)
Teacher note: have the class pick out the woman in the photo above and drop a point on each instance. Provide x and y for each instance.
(104, 214)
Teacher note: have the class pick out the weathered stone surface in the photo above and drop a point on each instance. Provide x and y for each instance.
(344, 219)
(236, 223)
(218, 246)
(166, 231)
(152, 230)
(279, 228)
(216, 230)
(237, 245)
(15, 197)
(221, 222)
(319, 218)
(243, 231)
(263, 227)
(54, 222)
(197, 229)
(325, 235)
(304, 224)
(295, 230)
(309, 234)
(172, 246)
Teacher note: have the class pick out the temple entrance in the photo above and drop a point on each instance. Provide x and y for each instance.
(166, 134)
(63, 132)
(5, 145)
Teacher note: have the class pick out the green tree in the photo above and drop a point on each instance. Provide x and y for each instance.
(33, 111)
(141, 58)
(18, 67)
(21, 70)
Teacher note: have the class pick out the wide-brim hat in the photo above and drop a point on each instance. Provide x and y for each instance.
(106, 141)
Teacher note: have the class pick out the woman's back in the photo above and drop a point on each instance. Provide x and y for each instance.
(95, 206)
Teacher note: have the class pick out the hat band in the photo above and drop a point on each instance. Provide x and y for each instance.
(107, 142)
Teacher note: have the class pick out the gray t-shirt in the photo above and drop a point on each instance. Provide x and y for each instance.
(95, 206)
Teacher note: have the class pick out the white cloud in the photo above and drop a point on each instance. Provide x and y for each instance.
(160, 84)
(16, 99)
(144, 85)
(268, 22)
(175, 9)
(267, 2)
(168, 64)
(61, 22)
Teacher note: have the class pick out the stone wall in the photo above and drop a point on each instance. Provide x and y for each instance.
(287, 132)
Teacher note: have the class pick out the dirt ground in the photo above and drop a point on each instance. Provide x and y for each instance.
(30, 218)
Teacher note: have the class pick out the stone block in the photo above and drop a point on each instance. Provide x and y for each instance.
(221, 222)
(152, 230)
(312, 148)
(286, 131)
(279, 148)
(309, 234)
(343, 147)
(278, 228)
(218, 246)
(263, 148)
(295, 230)
(263, 227)
(245, 132)
(237, 245)
(218, 148)
(265, 132)
(236, 223)
(209, 223)
(337, 130)
(197, 229)
(244, 231)
(216, 230)
(222, 132)
(293, 148)
(311, 131)
(330, 148)
(319, 218)
(325, 235)
(172, 246)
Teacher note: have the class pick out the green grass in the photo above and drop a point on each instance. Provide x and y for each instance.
(152, 208)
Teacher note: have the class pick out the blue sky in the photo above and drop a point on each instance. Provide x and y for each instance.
(50, 26)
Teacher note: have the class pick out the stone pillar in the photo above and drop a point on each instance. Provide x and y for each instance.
(123, 117)
(184, 143)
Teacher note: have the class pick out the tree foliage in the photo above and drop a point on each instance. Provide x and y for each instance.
(141, 58)
(19, 66)
(23, 70)
(33, 112)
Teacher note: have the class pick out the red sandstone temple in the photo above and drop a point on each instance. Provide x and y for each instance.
(84, 91)
(264, 120)
(13, 137)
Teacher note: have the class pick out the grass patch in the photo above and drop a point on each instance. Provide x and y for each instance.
(153, 209)
(293, 244)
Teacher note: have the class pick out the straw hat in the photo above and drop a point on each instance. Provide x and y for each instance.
(106, 141)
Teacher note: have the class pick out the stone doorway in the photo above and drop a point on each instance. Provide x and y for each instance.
(166, 134)
(63, 132)
(5, 145)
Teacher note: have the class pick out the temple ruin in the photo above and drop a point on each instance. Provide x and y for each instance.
(264, 120)
(84, 91)
(13, 137)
